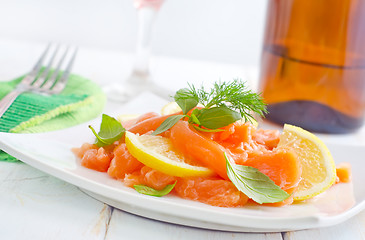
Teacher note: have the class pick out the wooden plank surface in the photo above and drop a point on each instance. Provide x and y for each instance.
(134, 227)
(35, 205)
(352, 229)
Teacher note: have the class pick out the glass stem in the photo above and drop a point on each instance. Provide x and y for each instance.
(146, 18)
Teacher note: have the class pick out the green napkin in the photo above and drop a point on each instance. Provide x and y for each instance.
(80, 101)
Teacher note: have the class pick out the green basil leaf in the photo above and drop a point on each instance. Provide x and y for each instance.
(185, 100)
(255, 184)
(111, 130)
(206, 130)
(217, 117)
(153, 192)
(194, 119)
(193, 116)
(167, 124)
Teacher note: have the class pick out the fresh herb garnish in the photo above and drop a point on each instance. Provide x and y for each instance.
(233, 95)
(186, 104)
(224, 104)
(254, 183)
(167, 124)
(217, 117)
(207, 130)
(111, 130)
(153, 192)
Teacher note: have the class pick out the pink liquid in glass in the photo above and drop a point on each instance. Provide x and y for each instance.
(156, 4)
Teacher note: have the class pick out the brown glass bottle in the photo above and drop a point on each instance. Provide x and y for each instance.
(313, 64)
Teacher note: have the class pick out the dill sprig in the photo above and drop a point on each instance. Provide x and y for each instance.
(233, 95)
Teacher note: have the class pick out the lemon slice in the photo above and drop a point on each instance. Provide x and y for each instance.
(170, 108)
(318, 167)
(173, 107)
(127, 117)
(157, 152)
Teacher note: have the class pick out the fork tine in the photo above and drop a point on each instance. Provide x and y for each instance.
(42, 79)
(52, 79)
(68, 69)
(29, 78)
(62, 81)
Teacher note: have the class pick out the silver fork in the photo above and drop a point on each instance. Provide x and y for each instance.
(39, 80)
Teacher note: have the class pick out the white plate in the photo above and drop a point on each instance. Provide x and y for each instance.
(50, 152)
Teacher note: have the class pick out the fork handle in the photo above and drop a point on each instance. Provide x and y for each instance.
(6, 102)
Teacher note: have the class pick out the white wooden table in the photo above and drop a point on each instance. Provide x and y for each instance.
(35, 205)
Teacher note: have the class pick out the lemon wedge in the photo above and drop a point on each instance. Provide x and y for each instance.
(158, 153)
(127, 117)
(318, 167)
(173, 107)
(170, 108)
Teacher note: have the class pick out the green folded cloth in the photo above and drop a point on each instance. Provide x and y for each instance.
(80, 101)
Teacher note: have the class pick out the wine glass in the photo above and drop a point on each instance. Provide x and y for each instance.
(140, 78)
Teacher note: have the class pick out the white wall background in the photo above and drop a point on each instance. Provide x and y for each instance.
(227, 31)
